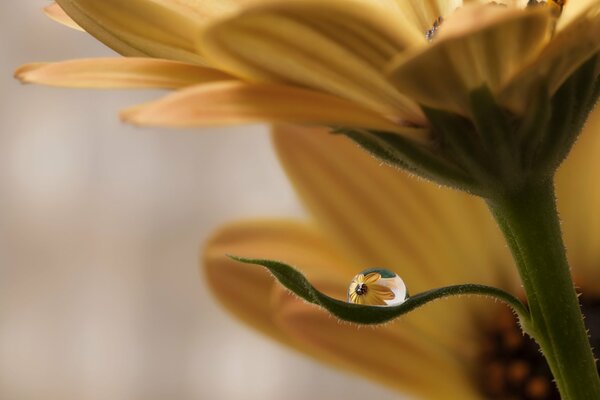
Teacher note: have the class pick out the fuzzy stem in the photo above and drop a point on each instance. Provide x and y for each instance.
(529, 220)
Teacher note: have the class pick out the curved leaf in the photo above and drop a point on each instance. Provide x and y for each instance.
(370, 315)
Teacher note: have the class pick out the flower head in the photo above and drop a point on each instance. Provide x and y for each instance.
(517, 77)
(483, 96)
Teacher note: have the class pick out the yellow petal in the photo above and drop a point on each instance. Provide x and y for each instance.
(246, 290)
(385, 218)
(335, 46)
(578, 196)
(478, 45)
(56, 13)
(372, 278)
(394, 355)
(423, 13)
(157, 28)
(573, 11)
(226, 103)
(383, 292)
(119, 73)
(569, 49)
(375, 296)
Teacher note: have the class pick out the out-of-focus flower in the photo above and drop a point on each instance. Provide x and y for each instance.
(352, 63)
(366, 214)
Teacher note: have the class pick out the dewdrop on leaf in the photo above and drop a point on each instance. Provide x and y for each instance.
(377, 287)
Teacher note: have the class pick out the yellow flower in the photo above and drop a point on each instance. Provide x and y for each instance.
(399, 77)
(377, 287)
(350, 63)
(365, 214)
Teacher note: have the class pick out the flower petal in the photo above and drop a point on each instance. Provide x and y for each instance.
(385, 218)
(247, 291)
(573, 11)
(371, 278)
(157, 28)
(568, 50)
(56, 13)
(578, 196)
(429, 236)
(336, 46)
(394, 355)
(226, 103)
(119, 73)
(423, 13)
(478, 45)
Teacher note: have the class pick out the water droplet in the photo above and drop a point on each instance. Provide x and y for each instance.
(377, 287)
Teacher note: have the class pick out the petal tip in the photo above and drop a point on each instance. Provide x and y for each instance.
(25, 73)
(137, 116)
(129, 116)
(56, 13)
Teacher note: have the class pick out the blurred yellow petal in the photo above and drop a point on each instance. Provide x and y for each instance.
(382, 217)
(478, 45)
(336, 46)
(567, 51)
(227, 103)
(119, 73)
(423, 13)
(578, 196)
(157, 28)
(385, 218)
(394, 355)
(246, 290)
(56, 13)
(573, 11)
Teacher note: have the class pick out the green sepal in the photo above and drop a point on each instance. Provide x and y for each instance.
(495, 126)
(533, 128)
(403, 153)
(571, 106)
(459, 140)
(370, 315)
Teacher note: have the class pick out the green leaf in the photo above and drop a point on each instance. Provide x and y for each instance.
(368, 315)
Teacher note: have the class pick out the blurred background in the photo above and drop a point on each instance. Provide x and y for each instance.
(100, 229)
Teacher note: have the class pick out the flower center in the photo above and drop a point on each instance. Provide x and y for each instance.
(511, 365)
(361, 289)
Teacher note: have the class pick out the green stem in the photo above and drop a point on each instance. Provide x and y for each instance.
(529, 220)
